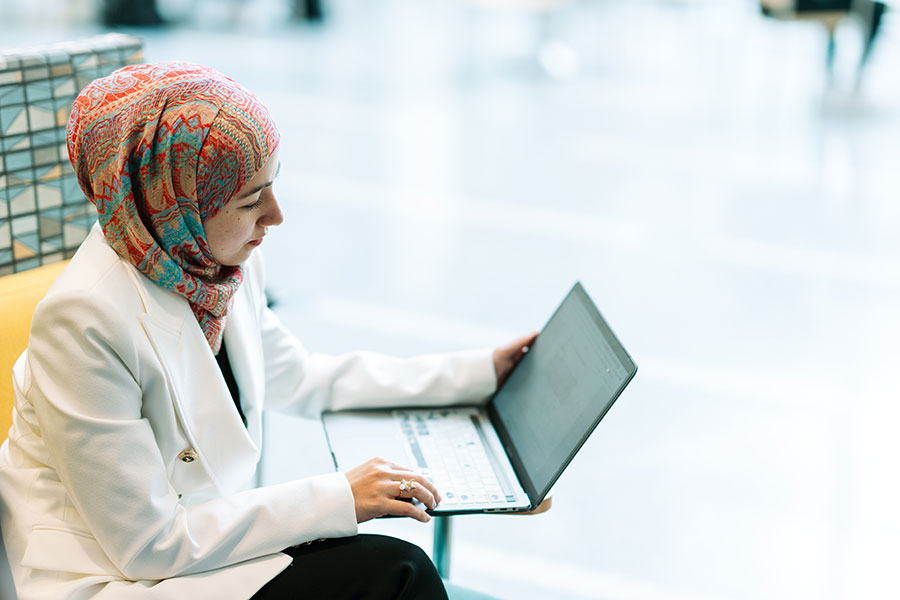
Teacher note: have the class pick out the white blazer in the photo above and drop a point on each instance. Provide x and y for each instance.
(128, 472)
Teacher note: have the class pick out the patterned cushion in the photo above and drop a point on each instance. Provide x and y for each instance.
(44, 216)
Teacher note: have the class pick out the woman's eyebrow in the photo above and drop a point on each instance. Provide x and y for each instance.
(263, 186)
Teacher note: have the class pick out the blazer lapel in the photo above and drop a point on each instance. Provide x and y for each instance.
(245, 352)
(200, 396)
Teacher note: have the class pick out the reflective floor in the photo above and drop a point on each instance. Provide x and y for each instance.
(450, 169)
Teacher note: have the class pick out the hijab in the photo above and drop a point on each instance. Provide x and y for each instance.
(159, 149)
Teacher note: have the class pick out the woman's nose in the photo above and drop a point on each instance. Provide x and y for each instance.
(273, 215)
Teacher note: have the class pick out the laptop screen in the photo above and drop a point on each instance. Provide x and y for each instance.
(559, 391)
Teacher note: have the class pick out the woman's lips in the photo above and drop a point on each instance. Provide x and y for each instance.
(256, 242)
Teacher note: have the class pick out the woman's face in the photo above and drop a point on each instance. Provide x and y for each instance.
(240, 225)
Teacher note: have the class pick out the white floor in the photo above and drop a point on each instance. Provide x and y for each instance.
(734, 216)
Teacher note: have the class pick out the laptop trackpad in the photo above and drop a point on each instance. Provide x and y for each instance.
(354, 436)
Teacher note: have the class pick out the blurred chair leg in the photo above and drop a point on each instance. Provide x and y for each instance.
(872, 24)
(829, 56)
(870, 15)
(308, 10)
(441, 547)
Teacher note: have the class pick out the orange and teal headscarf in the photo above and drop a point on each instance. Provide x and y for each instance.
(159, 149)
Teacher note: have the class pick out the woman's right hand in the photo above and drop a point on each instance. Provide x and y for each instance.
(376, 491)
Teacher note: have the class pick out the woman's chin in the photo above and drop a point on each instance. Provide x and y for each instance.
(235, 259)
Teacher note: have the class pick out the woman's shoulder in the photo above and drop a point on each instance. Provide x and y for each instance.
(95, 276)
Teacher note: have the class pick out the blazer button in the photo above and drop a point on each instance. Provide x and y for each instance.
(188, 455)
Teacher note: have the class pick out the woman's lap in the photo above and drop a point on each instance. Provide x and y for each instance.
(362, 566)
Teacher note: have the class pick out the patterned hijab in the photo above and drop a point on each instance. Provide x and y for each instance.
(159, 149)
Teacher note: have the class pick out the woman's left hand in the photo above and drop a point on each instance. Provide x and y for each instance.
(506, 357)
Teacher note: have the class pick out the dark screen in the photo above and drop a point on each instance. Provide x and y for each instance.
(559, 391)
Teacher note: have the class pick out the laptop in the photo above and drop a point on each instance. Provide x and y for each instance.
(506, 455)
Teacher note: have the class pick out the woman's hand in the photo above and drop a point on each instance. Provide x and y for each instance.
(376, 489)
(506, 357)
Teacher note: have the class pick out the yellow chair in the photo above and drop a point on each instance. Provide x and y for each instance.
(19, 295)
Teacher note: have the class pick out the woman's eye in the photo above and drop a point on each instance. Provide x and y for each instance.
(256, 204)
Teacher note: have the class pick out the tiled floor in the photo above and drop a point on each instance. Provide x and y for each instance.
(734, 218)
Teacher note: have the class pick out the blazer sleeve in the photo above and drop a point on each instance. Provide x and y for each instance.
(303, 382)
(85, 385)
(306, 383)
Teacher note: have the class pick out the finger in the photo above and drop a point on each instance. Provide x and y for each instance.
(515, 350)
(424, 482)
(399, 471)
(432, 489)
(424, 490)
(400, 508)
(523, 342)
(421, 481)
(423, 495)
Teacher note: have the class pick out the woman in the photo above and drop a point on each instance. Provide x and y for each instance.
(129, 469)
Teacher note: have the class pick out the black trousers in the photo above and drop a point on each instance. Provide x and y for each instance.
(363, 566)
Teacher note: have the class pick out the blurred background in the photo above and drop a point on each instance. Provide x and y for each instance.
(725, 184)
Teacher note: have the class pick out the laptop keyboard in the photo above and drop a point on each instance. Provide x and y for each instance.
(448, 448)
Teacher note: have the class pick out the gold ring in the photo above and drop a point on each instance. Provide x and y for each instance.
(407, 485)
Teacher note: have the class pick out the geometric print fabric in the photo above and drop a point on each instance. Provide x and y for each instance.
(44, 216)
